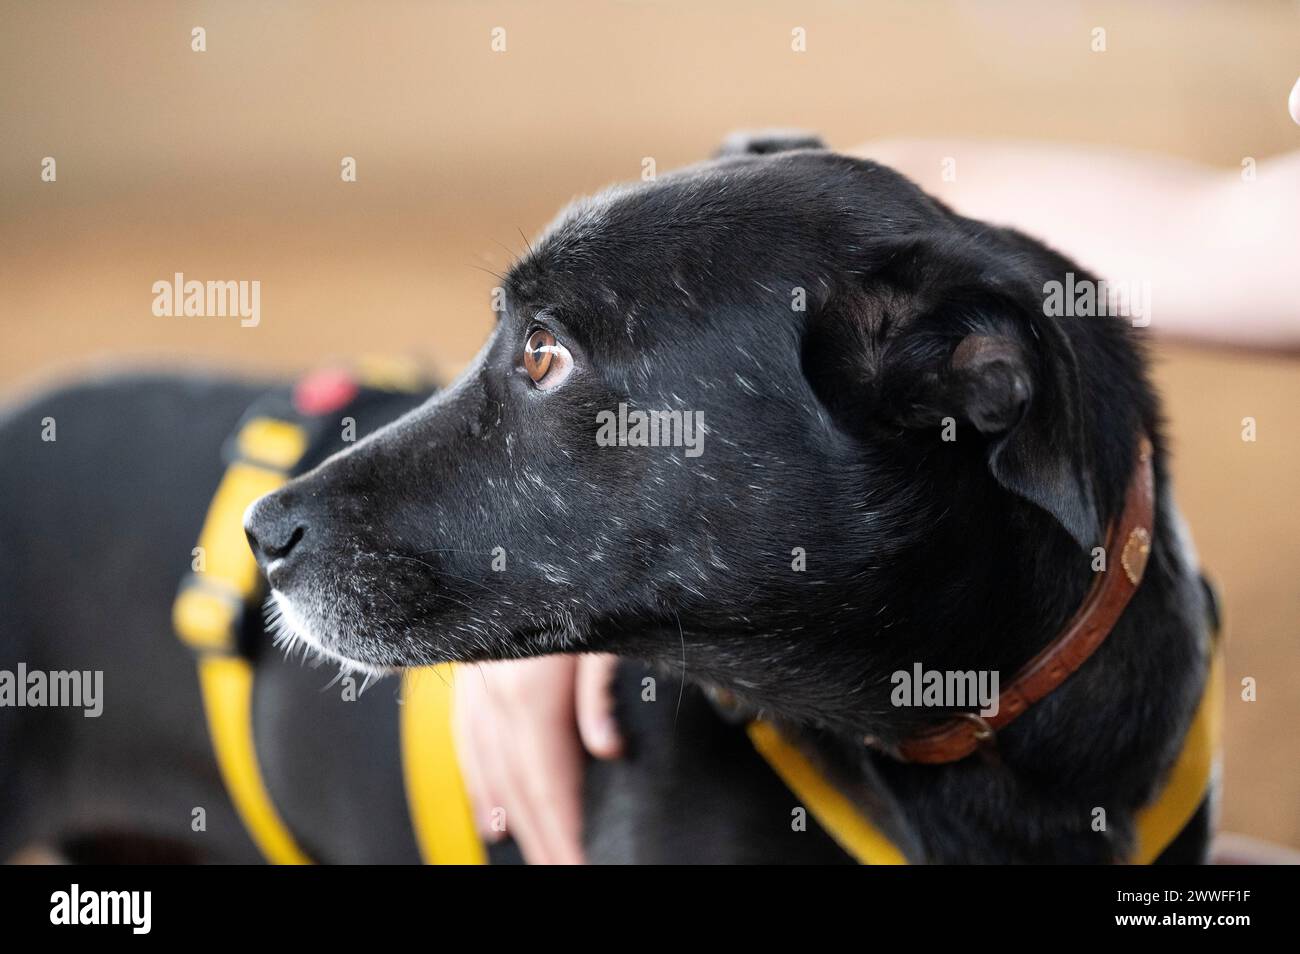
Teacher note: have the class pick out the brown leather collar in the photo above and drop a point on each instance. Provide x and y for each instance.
(1086, 630)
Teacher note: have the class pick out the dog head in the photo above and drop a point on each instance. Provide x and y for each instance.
(779, 415)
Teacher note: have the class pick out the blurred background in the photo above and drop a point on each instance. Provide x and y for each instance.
(225, 164)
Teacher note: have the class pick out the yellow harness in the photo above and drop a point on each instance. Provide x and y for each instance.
(210, 606)
(1158, 824)
(207, 616)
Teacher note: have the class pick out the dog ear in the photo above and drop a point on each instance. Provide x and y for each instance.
(767, 141)
(1028, 410)
(978, 349)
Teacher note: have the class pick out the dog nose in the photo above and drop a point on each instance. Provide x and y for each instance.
(274, 529)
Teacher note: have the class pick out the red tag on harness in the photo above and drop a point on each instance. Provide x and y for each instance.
(324, 391)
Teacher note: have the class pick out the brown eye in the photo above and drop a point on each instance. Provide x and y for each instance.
(545, 359)
(538, 350)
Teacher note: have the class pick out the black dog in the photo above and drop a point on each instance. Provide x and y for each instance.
(827, 325)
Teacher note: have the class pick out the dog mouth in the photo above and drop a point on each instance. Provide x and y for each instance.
(296, 633)
(327, 627)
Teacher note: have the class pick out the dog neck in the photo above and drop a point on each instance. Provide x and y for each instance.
(1128, 544)
(1100, 732)
(1101, 738)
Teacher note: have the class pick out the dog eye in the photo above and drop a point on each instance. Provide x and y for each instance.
(546, 361)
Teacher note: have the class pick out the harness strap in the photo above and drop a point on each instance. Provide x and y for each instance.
(1157, 824)
(227, 685)
(1191, 777)
(207, 615)
(439, 805)
(209, 612)
(839, 817)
